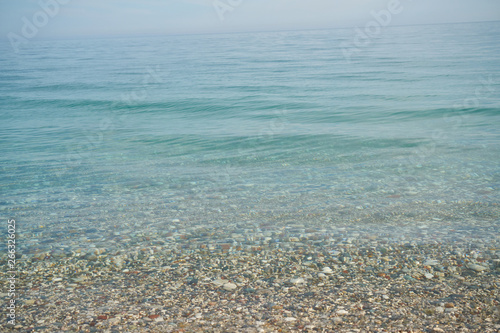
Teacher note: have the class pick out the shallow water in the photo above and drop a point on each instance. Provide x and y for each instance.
(206, 129)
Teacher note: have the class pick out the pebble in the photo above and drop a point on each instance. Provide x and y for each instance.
(229, 286)
(327, 270)
(477, 268)
(219, 282)
(430, 262)
(298, 280)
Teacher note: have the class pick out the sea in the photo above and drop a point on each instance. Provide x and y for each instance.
(133, 135)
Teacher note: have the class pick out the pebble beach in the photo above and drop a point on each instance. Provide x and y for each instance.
(434, 269)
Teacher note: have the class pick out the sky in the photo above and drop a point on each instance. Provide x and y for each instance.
(82, 18)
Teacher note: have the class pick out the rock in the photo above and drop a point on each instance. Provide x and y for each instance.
(439, 309)
(118, 262)
(229, 286)
(449, 305)
(90, 257)
(114, 321)
(298, 280)
(477, 268)
(290, 319)
(430, 262)
(81, 278)
(342, 312)
(327, 270)
(428, 276)
(57, 279)
(219, 282)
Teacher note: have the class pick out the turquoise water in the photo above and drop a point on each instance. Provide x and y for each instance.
(119, 130)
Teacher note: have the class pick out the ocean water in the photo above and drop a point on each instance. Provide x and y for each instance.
(112, 133)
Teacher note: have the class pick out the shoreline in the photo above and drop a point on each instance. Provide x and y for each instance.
(288, 273)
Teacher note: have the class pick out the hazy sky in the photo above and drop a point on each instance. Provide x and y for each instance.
(125, 17)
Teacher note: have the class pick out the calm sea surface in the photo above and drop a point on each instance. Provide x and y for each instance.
(143, 130)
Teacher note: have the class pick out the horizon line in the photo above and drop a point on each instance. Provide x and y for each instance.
(139, 35)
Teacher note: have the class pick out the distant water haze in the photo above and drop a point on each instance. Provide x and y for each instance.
(73, 18)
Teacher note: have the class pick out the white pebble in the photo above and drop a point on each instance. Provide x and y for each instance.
(430, 262)
(229, 286)
(298, 280)
(327, 270)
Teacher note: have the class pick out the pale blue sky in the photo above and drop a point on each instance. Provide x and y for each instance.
(129, 17)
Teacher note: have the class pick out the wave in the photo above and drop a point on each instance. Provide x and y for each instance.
(444, 113)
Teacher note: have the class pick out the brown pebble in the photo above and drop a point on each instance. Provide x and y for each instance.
(449, 305)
